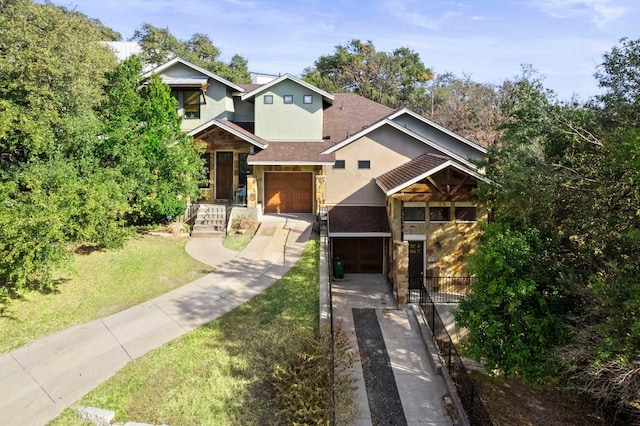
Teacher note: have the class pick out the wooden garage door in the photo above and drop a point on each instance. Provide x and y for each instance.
(361, 255)
(286, 192)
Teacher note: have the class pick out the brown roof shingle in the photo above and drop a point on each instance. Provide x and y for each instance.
(295, 152)
(407, 172)
(358, 220)
(349, 114)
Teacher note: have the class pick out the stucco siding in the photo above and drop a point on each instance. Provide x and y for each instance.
(386, 148)
(297, 121)
(446, 141)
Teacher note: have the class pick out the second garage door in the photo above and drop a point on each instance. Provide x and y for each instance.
(361, 255)
(288, 192)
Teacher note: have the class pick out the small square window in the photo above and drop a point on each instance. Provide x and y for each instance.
(268, 99)
(414, 214)
(364, 164)
(288, 99)
(339, 164)
(466, 214)
(307, 99)
(439, 214)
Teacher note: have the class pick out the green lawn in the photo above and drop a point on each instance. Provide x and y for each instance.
(102, 283)
(218, 374)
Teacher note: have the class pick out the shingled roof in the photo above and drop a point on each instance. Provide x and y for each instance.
(349, 114)
(410, 172)
(349, 220)
(293, 152)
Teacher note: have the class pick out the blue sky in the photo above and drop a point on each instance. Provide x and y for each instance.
(487, 40)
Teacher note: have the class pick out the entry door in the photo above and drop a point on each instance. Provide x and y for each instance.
(224, 174)
(416, 263)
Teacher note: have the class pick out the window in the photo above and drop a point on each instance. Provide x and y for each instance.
(465, 214)
(414, 214)
(268, 99)
(439, 214)
(191, 104)
(307, 99)
(288, 99)
(364, 164)
(339, 164)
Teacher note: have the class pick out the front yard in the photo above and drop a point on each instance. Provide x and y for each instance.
(102, 283)
(227, 372)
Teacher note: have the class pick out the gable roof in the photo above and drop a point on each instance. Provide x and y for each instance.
(405, 111)
(359, 221)
(232, 128)
(405, 130)
(327, 97)
(420, 168)
(209, 74)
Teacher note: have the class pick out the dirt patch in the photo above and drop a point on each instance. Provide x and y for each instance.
(509, 402)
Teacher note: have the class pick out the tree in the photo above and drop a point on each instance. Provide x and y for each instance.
(394, 79)
(159, 46)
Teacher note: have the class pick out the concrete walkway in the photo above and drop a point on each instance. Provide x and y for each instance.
(419, 388)
(39, 380)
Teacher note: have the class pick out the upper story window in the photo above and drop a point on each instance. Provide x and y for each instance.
(364, 164)
(288, 99)
(268, 99)
(191, 104)
(439, 214)
(414, 214)
(307, 99)
(339, 164)
(465, 213)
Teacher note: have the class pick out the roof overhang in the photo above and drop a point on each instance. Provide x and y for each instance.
(200, 82)
(359, 234)
(226, 126)
(289, 163)
(326, 96)
(432, 172)
(161, 68)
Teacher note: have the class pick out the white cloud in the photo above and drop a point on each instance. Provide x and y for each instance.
(600, 12)
(399, 10)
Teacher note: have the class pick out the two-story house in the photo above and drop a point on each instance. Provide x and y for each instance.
(397, 188)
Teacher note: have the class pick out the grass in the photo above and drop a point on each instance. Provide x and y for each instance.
(100, 284)
(237, 242)
(216, 374)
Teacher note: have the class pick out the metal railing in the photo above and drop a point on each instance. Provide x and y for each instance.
(439, 289)
(469, 397)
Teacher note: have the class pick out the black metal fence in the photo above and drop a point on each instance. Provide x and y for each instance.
(439, 289)
(473, 406)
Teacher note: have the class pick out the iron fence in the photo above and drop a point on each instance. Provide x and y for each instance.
(439, 289)
(471, 402)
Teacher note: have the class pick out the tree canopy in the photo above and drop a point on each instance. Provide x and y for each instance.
(85, 147)
(159, 46)
(557, 296)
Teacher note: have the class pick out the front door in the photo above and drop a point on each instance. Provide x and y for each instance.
(416, 264)
(224, 175)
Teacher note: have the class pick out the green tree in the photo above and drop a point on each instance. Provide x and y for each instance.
(394, 79)
(159, 46)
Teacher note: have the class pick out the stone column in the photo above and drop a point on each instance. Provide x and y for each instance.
(321, 183)
(252, 192)
(401, 270)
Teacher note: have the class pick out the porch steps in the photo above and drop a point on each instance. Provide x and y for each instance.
(210, 221)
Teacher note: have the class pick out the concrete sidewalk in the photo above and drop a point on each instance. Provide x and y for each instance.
(420, 389)
(39, 380)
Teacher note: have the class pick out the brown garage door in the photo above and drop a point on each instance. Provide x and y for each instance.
(361, 255)
(288, 192)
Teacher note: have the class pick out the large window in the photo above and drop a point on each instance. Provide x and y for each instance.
(466, 213)
(191, 104)
(439, 214)
(414, 214)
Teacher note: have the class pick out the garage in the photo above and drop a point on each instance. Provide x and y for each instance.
(288, 192)
(361, 255)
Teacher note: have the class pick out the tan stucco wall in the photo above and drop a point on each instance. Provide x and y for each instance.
(386, 148)
(297, 121)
